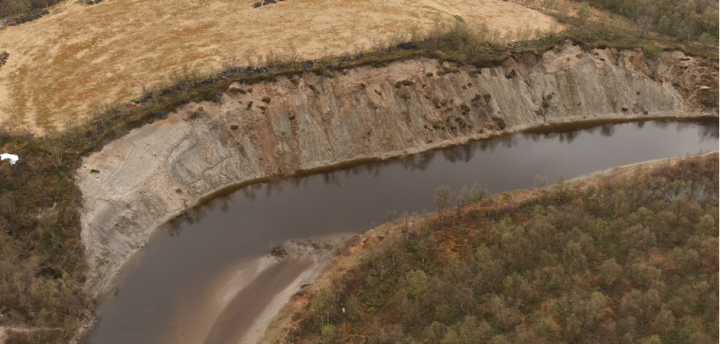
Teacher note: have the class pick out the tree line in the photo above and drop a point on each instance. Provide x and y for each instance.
(683, 19)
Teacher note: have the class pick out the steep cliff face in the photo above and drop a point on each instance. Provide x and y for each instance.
(155, 172)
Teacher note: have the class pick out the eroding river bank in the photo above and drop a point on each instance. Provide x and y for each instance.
(274, 128)
(163, 292)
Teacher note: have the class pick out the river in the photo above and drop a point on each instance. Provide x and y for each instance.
(168, 292)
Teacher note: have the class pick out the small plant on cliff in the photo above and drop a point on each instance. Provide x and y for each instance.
(266, 100)
(197, 113)
(237, 90)
(499, 122)
(378, 92)
(403, 83)
(249, 105)
(321, 68)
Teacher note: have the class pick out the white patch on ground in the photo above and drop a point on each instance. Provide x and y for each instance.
(12, 157)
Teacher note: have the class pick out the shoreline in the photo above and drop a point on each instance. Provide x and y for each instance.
(273, 310)
(279, 326)
(160, 171)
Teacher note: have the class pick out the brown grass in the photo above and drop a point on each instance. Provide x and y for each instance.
(67, 65)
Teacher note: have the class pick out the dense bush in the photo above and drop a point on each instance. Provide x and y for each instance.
(42, 271)
(623, 260)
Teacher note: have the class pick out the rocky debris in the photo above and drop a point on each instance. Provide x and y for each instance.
(27, 17)
(307, 64)
(277, 251)
(3, 58)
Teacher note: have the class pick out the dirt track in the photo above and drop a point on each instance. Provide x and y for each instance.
(67, 64)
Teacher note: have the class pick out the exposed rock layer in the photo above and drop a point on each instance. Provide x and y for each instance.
(157, 171)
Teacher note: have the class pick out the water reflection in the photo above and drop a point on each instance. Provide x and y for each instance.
(710, 133)
(564, 134)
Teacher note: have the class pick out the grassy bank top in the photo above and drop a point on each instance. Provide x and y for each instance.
(68, 64)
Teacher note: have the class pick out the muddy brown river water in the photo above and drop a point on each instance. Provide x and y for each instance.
(179, 289)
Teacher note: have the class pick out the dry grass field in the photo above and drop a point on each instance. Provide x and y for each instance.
(69, 64)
